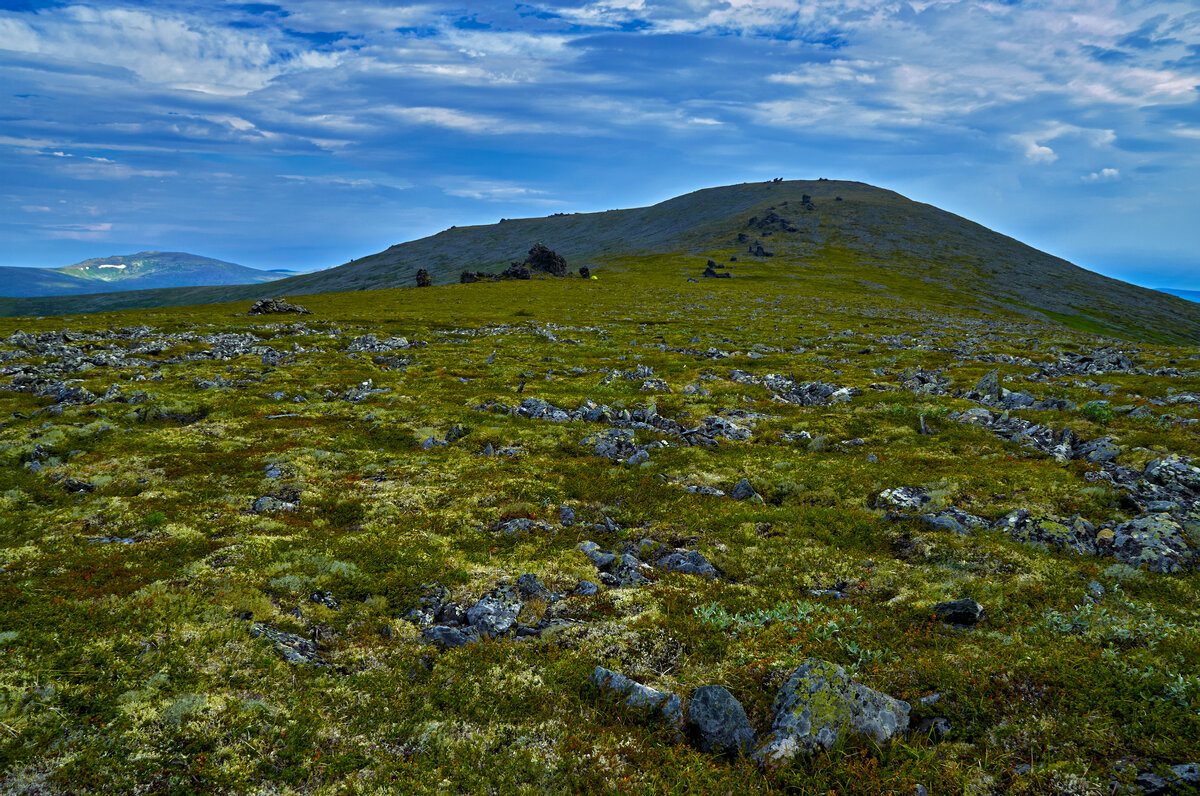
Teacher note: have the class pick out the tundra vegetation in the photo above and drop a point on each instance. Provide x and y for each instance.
(383, 547)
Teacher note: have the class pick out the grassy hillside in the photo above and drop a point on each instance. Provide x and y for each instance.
(225, 540)
(870, 234)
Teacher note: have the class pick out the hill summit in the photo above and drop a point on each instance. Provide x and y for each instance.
(800, 229)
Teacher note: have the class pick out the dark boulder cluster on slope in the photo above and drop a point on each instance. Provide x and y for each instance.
(771, 222)
(817, 705)
(276, 305)
(423, 279)
(540, 260)
(711, 272)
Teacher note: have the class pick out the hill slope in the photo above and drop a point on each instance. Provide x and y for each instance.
(848, 229)
(142, 271)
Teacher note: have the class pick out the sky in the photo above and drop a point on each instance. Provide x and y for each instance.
(303, 133)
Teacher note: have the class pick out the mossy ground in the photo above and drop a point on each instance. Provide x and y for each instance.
(125, 667)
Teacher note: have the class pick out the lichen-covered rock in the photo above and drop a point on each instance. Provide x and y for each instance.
(689, 562)
(1173, 472)
(1098, 451)
(638, 696)
(270, 505)
(818, 703)
(904, 498)
(1074, 536)
(496, 612)
(1158, 542)
(717, 722)
(296, 650)
(520, 526)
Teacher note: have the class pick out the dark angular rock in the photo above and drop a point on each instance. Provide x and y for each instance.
(545, 261)
(449, 637)
(423, 279)
(743, 491)
(959, 612)
(585, 588)
(717, 722)
(585, 272)
(531, 587)
(638, 696)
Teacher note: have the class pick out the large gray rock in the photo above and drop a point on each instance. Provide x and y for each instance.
(717, 722)
(1155, 541)
(638, 696)
(496, 613)
(744, 491)
(818, 703)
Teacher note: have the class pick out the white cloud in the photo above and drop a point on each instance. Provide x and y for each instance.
(1104, 175)
(79, 231)
(1034, 145)
(493, 190)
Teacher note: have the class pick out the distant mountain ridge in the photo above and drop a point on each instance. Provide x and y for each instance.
(850, 232)
(142, 271)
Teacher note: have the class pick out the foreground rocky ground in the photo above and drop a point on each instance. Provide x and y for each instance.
(629, 534)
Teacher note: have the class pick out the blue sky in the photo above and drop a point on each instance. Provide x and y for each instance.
(303, 133)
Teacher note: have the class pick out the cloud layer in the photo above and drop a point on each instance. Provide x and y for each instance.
(305, 132)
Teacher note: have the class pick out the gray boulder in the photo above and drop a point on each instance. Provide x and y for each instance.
(638, 696)
(744, 491)
(717, 722)
(817, 704)
(496, 613)
(449, 637)
(689, 562)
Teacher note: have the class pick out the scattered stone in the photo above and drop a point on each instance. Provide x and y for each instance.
(959, 612)
(271, 505)
(818, 703)
(1176, 779)
(688, 563)
(520, 526)
(585, 588)
(566, 516)
(904, 498)
(717, 722)
(296, 650)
